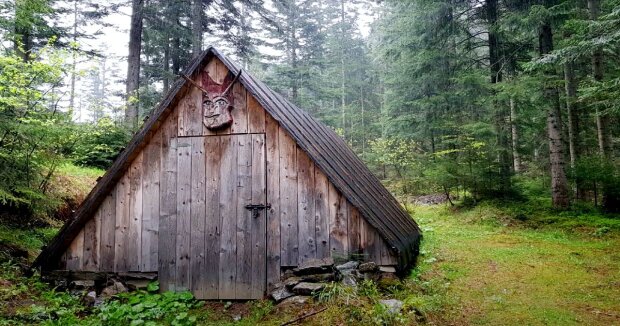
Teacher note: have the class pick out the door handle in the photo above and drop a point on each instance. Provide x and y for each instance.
(256, 208)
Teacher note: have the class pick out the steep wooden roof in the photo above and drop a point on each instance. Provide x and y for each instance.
(328, 151)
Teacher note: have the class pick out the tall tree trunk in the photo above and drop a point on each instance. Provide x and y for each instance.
(22, 41)
(133, 63)
(74, 56)
(516, 156)
(559, 183)
(611, 196)
(343, 92)
(500, 115)
(166, 79)
(604, 137)
(196, 28)
(573, 112)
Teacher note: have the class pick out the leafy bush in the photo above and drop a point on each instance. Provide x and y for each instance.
(98, 145)
(149, 308)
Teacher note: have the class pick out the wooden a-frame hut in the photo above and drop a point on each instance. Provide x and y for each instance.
(222, 189)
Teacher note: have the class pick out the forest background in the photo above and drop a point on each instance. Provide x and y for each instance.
(489, 99)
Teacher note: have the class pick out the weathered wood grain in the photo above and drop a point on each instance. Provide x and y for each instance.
(258, 225)
(306, 219)
(337, 223)
(240, 110)
(106, 233)
(228, 217)
(212, 216)
(90, 259)
(321, 210)
(353, 229)
(184, 178)
(256, 115)
(134, 235)
(121, 254)
(190, 114)
(273, 198)
(151, 165)
(243, 281)
(168, 206)
(288, 200)
(197, 239)
(75, 252)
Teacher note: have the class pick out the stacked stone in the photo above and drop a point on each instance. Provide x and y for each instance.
(310, 277)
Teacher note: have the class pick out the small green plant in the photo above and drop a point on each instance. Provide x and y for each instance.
(149, 308)
(334, 291)
(368, 288)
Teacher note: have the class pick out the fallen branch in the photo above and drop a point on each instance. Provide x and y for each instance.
(290, 322)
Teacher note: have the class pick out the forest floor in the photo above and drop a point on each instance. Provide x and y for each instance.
(493, 264)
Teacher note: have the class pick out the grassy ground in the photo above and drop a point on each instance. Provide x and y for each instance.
(482, 266)
(494, 264)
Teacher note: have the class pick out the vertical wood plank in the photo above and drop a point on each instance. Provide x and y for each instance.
(259, 224)
(89, 253)
(371, 248)
(212, 216)
(150, 204)
(353, 229)
(321, 203)
(337, 223)
(305, 207)
(197, 241)
(288, 200)
(273, 198)
(228, 218)
(190, 113)
(240, 110)
(256, 115)
(75, 252)
(243, 283)
(184, 177)
(121, 233)
(107, 231)
(134, 237)
(168, 206)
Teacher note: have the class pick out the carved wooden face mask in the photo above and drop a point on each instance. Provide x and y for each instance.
(217, 101)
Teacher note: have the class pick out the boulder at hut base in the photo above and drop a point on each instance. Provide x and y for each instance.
(315, 266)
(280, 293)
(114, 289)
(368, 267)
(305, 288)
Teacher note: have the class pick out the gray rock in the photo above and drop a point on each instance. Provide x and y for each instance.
(306, 288)
(288, 273)
(296, 300)
(114, 289)
(281, 293)
(82, 284)
(317, 278)
(394, 306)
(368, 267)
(292, 281)
(137, 284)
(315, 266)
(348, 266)
(89, 299)
(387, 269)
(349, 280)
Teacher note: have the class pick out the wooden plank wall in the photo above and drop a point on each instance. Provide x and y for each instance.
(152, 220)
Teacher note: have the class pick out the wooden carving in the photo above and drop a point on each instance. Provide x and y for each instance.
(217, 101)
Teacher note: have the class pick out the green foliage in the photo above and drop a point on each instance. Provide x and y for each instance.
(149, 308)
(99, 144)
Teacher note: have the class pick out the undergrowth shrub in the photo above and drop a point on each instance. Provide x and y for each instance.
(149, 308)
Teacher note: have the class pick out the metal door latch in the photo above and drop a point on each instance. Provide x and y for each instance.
(255, 208)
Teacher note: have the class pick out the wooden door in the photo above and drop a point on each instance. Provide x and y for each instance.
(227, 242)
